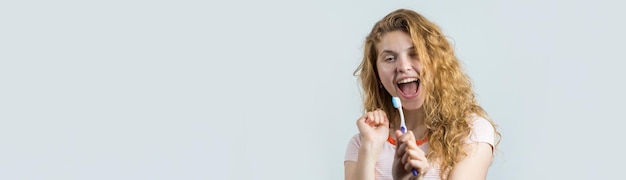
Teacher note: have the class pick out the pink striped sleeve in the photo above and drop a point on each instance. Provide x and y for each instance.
(352, 151)
(482, 131)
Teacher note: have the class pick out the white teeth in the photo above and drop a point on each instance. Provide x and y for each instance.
(407, 80)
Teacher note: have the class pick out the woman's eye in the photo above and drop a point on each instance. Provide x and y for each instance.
(390, 58)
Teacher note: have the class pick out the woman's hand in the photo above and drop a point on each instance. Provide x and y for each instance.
(408, 157)
(374, 127)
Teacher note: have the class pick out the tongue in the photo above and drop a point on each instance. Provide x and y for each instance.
(408, 88)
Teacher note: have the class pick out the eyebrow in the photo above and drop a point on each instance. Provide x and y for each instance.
(393, 52)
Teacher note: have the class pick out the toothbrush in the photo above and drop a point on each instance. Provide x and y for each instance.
(398, 105)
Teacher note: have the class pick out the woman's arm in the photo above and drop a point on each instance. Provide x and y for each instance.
(364, 167)
(373, 132)
(348, 169)
(476, 164)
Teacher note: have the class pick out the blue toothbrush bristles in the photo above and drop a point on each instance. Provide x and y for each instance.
(396, 102)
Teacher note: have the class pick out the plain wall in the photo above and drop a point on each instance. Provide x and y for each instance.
(264, 89)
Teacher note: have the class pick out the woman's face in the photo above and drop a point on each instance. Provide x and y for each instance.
(398, 68)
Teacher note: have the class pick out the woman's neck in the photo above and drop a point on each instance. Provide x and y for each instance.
(414, 120)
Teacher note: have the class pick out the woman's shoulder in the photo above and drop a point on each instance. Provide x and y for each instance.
(481, 130)
(477, 121)
(356, 137)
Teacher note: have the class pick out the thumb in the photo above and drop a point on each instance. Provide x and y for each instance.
(398, 134)
(411, 136)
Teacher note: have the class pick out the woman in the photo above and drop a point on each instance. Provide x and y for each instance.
(449, 135)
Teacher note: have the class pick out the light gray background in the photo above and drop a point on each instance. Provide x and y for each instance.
(264, 89)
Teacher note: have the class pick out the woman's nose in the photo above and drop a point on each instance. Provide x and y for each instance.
(403, 64)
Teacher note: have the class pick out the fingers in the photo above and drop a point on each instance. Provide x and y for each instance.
(362, 120)
(420, 166)
(380, 116)
(371, 120)
(407, 137)
(415, 160)
(409, 153)
(400, 150)
(407, 147)
(375, 118)
(383, 118)
(413, 154)
(405, 141)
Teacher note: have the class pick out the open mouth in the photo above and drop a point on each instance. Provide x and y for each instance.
(408, 87)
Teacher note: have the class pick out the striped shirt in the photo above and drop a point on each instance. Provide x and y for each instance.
(482, 131)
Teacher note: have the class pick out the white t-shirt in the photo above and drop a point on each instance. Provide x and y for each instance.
(482, 131)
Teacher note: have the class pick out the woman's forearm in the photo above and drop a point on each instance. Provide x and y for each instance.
(368, 155)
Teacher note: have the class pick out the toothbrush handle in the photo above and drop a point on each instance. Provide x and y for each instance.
(404, 131)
